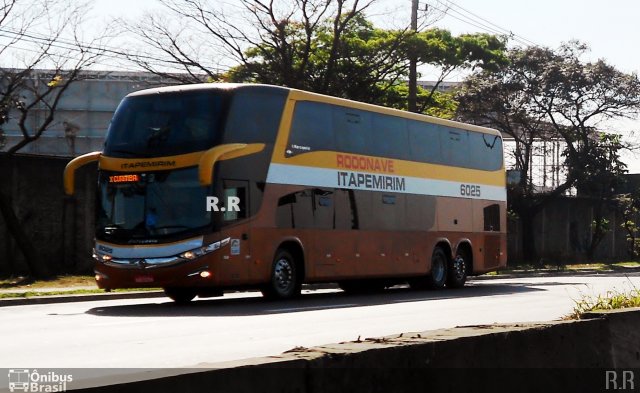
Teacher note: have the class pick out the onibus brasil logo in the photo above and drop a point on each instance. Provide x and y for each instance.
(33, 381)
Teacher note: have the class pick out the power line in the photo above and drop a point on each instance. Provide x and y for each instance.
(467, 20)
(31, 50)
(473, 21)
(511, 33)
(104, 50)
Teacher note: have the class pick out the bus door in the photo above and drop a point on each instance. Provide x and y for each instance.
(234, 209)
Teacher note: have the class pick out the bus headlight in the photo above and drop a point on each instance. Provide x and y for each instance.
(200, 251)
(192, 254)
(101, 257)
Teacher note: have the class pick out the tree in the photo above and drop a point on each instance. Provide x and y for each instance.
(277, 31)
(325, 46)
(50, 34)
(544, 94)
(601, 175)
(369, 62)
(628, 205)
(449, 53)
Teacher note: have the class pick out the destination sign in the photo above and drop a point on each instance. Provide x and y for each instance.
(124, 178)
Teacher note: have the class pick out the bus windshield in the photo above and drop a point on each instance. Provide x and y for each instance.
(165, 124)
(150, 205)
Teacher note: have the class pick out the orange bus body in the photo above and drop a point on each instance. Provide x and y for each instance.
(341, 216)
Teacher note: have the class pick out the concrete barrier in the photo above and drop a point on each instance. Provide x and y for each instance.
(562, 356)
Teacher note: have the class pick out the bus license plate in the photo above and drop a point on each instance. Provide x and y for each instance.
(143, 279)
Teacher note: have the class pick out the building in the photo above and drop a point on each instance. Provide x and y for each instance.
(83, 114)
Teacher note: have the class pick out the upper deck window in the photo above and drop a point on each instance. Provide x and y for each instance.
(166, 124)
(325, 127)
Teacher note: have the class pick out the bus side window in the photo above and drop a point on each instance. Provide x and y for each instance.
(351, 128)
(311, 129)
(390, 137)
(235, 200)
(323, 213)
(424, 142)
(295, 210)
(492, 218)
(455, 146)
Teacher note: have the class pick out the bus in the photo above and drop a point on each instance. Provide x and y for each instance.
(210, 187)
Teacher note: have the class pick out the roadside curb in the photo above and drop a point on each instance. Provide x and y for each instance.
(559, 273)
(23, 301)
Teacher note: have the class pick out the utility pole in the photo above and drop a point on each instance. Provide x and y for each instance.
(413, 62)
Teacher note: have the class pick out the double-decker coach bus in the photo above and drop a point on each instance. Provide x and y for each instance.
(203, 188)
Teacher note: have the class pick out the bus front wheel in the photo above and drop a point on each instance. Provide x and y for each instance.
(284, 282)
(180, 295)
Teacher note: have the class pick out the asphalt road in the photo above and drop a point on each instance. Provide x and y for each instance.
(152, 333)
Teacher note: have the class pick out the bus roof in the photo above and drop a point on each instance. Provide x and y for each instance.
(306, 95)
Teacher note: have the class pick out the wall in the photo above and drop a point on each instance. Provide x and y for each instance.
(61, 228)
(558, 356)
(563, 232)
(86, 108)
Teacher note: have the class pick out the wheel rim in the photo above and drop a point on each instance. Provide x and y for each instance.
(283, 274)
(438, 269)
(459, 267)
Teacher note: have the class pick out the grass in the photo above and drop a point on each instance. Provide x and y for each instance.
(597, 266)
(612, 300)
(19, 287)
(65, 281)
(29, 294)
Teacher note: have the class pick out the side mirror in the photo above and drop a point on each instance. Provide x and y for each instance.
(220, 153)
(70, 170)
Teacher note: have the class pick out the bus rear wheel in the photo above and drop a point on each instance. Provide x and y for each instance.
(285, 281)
(457, 272)
(437, 278)
(439, 262)
(180, 295)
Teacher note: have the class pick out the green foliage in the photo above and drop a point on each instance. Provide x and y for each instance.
(367, 63)
(628, 205)
(439, 47)
(612, 300)
(437, 104)
(601, 170)
(541, 95)
(602, 225)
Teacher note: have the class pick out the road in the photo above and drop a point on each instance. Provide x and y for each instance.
(157, 333)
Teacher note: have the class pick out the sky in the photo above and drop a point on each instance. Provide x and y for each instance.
(611, 29)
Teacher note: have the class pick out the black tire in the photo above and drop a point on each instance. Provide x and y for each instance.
(437, 277)
(285, 281)
(457, 272)
(180, 295)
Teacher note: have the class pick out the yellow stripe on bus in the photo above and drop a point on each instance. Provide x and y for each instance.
(169, 162)
(149, 164)
(329, 160)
